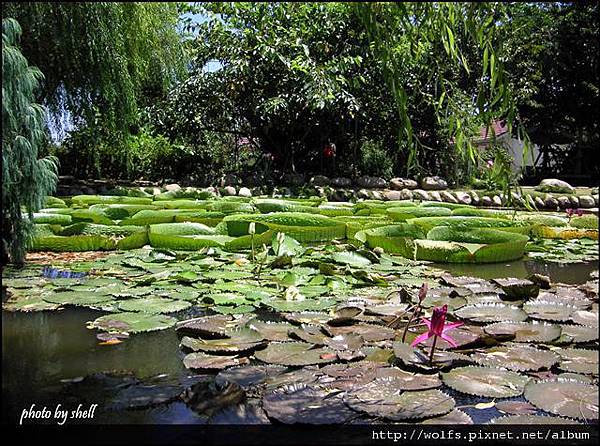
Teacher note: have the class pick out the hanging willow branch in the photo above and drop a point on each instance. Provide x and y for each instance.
(26, 179)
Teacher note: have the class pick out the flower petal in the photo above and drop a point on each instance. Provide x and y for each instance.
(449, 340)
(421, 338)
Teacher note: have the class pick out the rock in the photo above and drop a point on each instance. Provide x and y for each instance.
(595, 197)
(594, 191)
(376, 195)
(550, 202)
(363, 193)
(542, 281)
(286, 192)
(371, 182)
(244, 192)
(320, 180)
(419, 194)
(554, 185)
(585, 201)
(434, 183)
(89, 190)
(393, 195)
(497, 200)
(448, 197)
(403, 183)
(172, 187)
(211, 190)
(435, 196)
(574, 201)
(341, 195)
(293, 179)
(539, 203)
(516, 289)
(156, 191)
(463, 198)
(257, 191)
(75, 191)
(564, 202)
(486, 201)
(341, 182)
(230, 180)
(406, 194)
(228, 191)
(474, 198)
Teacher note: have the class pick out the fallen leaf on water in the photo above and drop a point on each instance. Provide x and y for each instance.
(482, 406)
(111, 342)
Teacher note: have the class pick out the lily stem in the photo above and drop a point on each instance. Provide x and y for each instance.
(412, 316)
(432, 349)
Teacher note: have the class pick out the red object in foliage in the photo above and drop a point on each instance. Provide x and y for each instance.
(329, 151)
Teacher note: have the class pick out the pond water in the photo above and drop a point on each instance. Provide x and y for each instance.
(42, 348)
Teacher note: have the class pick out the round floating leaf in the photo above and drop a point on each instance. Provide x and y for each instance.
(383, 399)
(578, 360)
(306, 405)
(455, 417)
(516, 407)
(404, 380)
(204, 361)
(33, 303)
(525, 331)
(484, 381)
(351, 258)
(589, 318)
(250, 375)
(272, 331)
(516, 357)
(547, 310)
(133, 322)
(295, 354)
(491, 313)
(80, 298)
(207, 326)
(244, 340)
(155, 305)
(462, 336)
(567, 398)
(307, 317)
(578, 333)
(531, 419)
(312, 334)
(370, 333)
(299, 305)
(414, 357)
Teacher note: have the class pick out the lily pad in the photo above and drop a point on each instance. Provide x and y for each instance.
(207, 326)
(491, 313)
(133, 322)
(26, 303)
(577, 333)
(204, 361)
(516, 357)
(549, 311)
(525, 331)
(295, 354)
(369, 332)
(404, 380)
(578, 360)
(272, 331)
(383, 399)
(243, 341)
(567, 398)
(485, 381)
(455, 417)
(293, 404)
(79, 298)
(250, 375)
(589, 318)
(531, 419)
(155, 305)
(312, 334)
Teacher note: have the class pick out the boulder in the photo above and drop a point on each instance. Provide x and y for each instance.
(497, 200)
(320, 180)
(474, 198)
(539, 203)
(486, 201)
(574, 201)
(172, 187)
(363, 193)
(586, 201)
(564, 202)
(435, 195)
(156, 191)
(595, 197)
(403, 183)
(550, 202)
(393, 195)
(448, 197)
(434, 183)
(463, 198)
(228, 191)
(341, 182)
(554, 185)
(406, 194)
(244, 192)
(371, 182)
(376, 195)
(419, 194)
(594, 191)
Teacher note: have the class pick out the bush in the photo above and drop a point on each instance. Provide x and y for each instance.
(374, 160)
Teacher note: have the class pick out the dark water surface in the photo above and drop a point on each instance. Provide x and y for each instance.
(42, 348)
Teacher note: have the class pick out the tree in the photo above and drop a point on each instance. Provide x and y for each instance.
(101, 58)
(26, 178)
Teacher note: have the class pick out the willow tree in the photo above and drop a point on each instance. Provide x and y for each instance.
(26, 178)
(101, 58)
(445, 55)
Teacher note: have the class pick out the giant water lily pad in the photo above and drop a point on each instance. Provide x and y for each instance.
(414, 357)
(525, 331)
(295, 354)
(204, 361)
(370, 333)
(313, 334)
(154, 305)
(299, 305)
(243, 340)
(250, 375)
(589, 318)
(133, 322)
(307, 317)
(549, 311)
(79, 298)
(207, 326)
(28, 303)
(404, 380)
(531, 419)
(567, 398)
(272, 331)
(491, 313)
(578, 360)
(485, 381)
(577, 333)
(454, 418)
(382, 398)
(307, 405)
(516, 357)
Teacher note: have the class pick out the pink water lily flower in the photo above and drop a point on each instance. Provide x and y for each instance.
(437, 326)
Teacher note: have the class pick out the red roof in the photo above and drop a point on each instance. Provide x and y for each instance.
(498, 128)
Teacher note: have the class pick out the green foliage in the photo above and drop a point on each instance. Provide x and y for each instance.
(26, 178)
(101, 57)
(374, 160)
